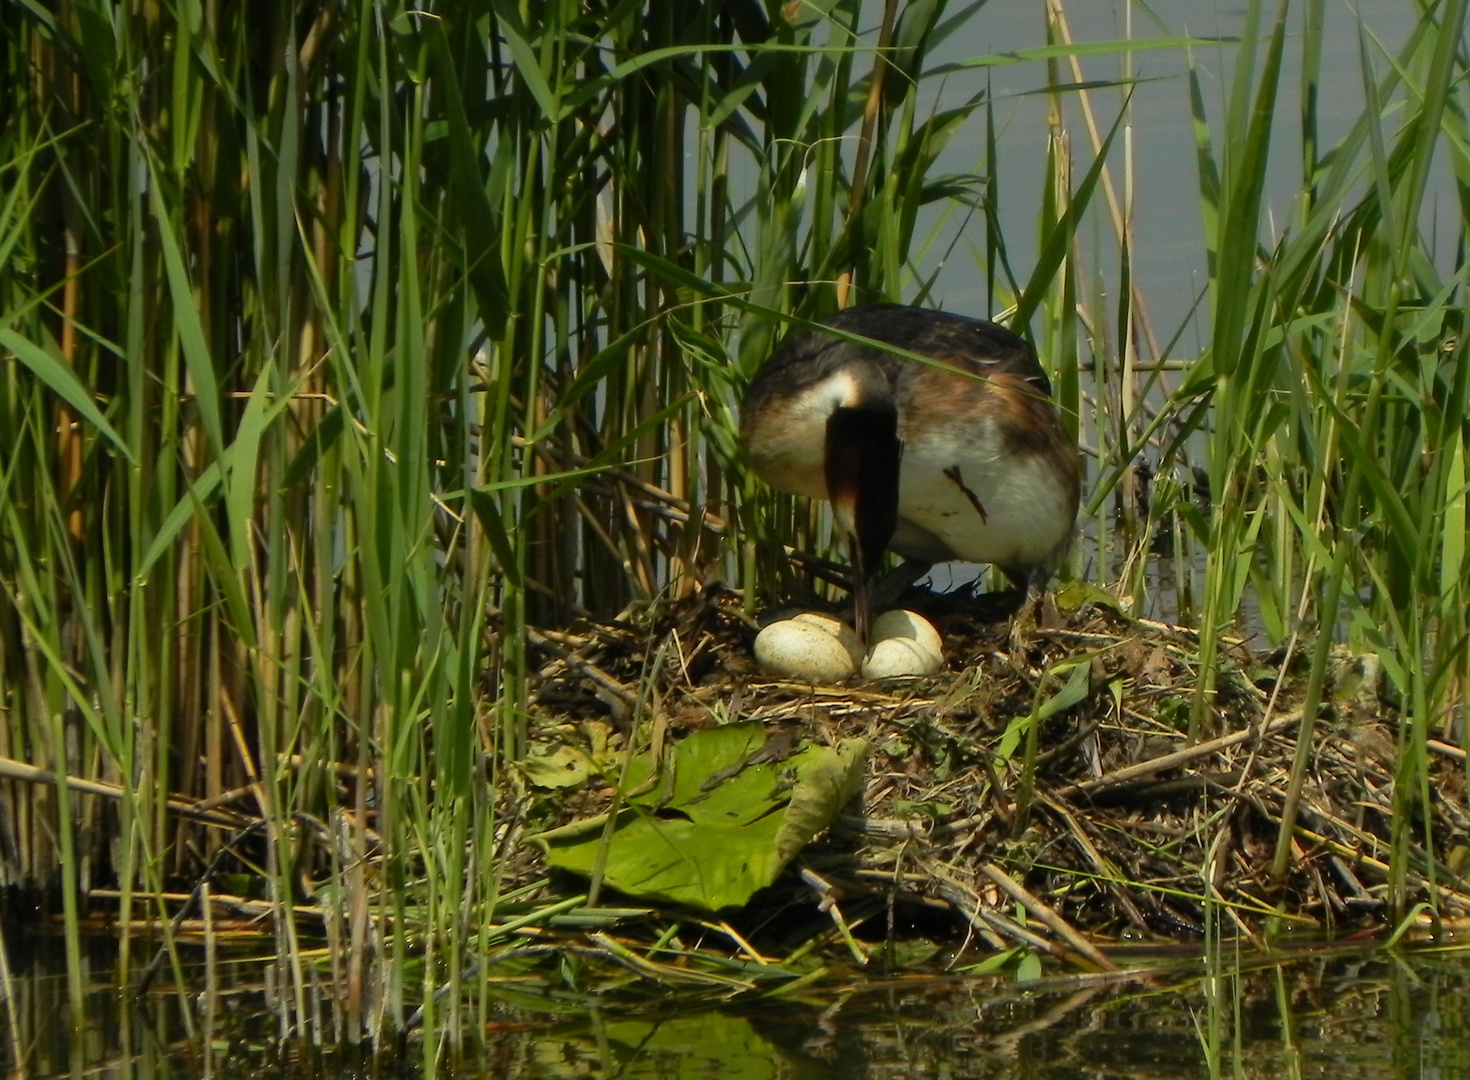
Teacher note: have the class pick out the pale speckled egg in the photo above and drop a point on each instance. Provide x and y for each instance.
(904, 643)
(907, 624)
(803, 650)
(831, 624)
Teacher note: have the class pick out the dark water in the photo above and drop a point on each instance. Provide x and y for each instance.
(1378, 1016)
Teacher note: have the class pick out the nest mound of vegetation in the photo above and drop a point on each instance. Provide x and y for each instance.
(1042, 792)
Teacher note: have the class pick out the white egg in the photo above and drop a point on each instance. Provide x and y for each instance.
(804, 650)
(904, 643)
(907, 624)
(831, 624)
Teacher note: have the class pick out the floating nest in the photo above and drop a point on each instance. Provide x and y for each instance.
(1044, 791)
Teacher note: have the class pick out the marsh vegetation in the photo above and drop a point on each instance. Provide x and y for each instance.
(362, 363)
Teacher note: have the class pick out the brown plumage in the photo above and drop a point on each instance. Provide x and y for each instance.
(963, 459)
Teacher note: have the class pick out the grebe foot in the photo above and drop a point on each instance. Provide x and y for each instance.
(1038, 611)
(887, 589)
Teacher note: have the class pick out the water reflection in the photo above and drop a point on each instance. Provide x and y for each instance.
(1369, 1017)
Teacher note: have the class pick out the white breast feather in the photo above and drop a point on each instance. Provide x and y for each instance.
(792, 453)
(1026, 512)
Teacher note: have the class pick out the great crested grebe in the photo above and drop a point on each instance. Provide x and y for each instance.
(965, 459)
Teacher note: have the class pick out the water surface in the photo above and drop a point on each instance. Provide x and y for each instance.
(1340, 1016)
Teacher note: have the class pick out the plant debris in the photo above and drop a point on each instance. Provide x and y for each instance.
(1045, 797)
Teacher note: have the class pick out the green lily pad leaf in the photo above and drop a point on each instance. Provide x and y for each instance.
(826, 785)
(706, 1043)
(909, 809)
(571, 765)
(1076, 595)
(729, 812)
(563, 768)
(906, 954)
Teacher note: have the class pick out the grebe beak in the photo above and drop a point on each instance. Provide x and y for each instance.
(862, 601)
(861, 465)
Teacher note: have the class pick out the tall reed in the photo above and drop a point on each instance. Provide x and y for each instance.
(346, 344)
